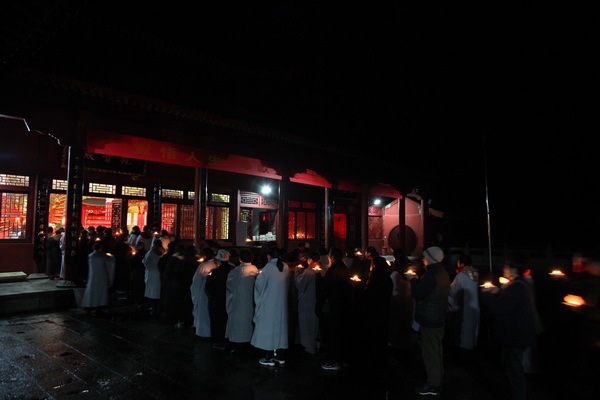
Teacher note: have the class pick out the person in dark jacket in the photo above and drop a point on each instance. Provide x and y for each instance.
(53, 254)
(514, 323)
(377, 299)
(122, 252)
(178, 276)
(334, 307)
(216, 291)
(431, 295)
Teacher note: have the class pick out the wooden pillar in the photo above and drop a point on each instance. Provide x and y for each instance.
(402, 223)
(327, 218)
(364, 221)
(42, 198)
(423, 223)
(200, 200)
(282, 212)
(73, 218)
(156, 207)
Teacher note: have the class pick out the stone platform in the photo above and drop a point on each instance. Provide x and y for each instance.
(36, 293)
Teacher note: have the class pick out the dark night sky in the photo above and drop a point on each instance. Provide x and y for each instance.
(423, 84)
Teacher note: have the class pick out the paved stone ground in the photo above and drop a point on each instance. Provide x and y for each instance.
(126, 354)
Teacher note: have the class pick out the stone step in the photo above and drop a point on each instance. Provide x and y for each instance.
(30, 295)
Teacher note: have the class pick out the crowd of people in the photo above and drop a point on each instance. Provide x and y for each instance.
(326, 303)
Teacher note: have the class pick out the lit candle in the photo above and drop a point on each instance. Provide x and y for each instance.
(358, 253)
(355, 278)
(487, 285)
(410, 272)
(573, 301)
(503, 280)
(557, 272)
(317, 268)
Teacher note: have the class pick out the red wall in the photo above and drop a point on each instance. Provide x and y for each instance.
(17, 257)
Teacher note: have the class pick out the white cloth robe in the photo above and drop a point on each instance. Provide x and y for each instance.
(200, 299)
(271, 308)
(468, 289)
(308, 322)
(240, 303)
(152, 275)
(101, 275)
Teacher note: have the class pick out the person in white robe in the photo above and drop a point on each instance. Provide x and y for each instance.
(271, 310)
(463, 300)
(101, 275)
(152, 275)
(305, 281)
(240, 299)
(199, 297)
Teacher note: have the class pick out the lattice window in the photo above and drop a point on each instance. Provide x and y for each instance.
(187, 221)
(14, 180)
(169, 217)
(309, 205)
(292, 225)
(302, 225)
(265, 201)
(339, 226)
(248, 198)
(13, 215)
(219, 198)
(191, 195)
(375, 228)
(294, 204)
(172, 194)
(102, 188)
(59, 184)
(133, 191)
(217, 223)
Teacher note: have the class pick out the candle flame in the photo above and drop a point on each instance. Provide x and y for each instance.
(410, 272)
(503, 280)
(557, 272)
(487, 285)
(317, 268)
(574, 301)
(355, 278)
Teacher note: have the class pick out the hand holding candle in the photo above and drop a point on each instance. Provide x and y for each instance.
(410, 274)
(489, 287)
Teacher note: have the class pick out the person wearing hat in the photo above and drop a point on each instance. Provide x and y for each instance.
(216, 290)
(431, 295)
